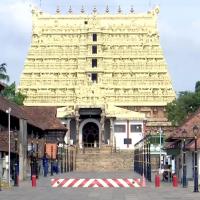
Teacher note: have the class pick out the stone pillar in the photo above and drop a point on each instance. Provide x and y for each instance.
(68, 133)
(101, 134)
(77, 127)
(22, 149)
(111, 131)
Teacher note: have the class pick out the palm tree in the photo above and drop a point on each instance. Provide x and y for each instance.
(3, 75)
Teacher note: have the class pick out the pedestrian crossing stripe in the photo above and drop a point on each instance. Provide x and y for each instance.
(93, 183)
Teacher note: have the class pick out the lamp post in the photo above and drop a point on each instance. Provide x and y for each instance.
(8, 111)
(65, 158)
(51, 160)
(37, 156)
(184, 178)
(16, 160)
(149, 143)
(32, 164)
(45, 161)
(61, 160)
(160, 134)
(144, 158)
(195, 131)
(57, 155)
(149, 158)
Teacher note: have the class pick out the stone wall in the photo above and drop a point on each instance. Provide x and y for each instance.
(104, 160)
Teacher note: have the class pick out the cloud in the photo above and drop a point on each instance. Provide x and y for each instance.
(16, 14)
(196, 24)
(15, 34)
(195, 29)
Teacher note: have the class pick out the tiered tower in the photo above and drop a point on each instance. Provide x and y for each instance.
(97, 59)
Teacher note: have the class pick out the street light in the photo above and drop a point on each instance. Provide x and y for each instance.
(57, 155)
(45, 161)
(61, 160)
(8, 111)
(184, 134)
(195, 132)
(65, 157)
(149, 157)
(37, 156)
(16, 159)
(51, 160)
(160, 136)
(145, 159)
(32, 161)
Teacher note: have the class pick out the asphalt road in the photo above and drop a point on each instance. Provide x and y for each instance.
(46, 192)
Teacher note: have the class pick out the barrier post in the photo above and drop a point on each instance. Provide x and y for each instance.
(157, 180)
(33, 180)
(175, 181)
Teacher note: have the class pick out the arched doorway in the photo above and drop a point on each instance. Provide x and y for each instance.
(90, 134)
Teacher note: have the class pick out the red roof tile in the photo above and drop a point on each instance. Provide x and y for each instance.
(188, 125)
(4, 141)
(16, 110)
(44, 117)
(41, 117)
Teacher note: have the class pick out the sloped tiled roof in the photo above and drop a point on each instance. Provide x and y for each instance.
(4, 141)
(188, 125)
(16, 110)
(41, 117)
(44, 117)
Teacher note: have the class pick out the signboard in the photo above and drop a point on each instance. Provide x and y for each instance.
(51, 150)
(127, 141)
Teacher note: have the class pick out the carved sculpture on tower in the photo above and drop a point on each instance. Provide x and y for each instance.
(98, 61)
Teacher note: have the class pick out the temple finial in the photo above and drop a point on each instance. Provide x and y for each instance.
(119, 10)
(132, 10)
(57, 10)
(107, 9)
(94, 9)
(70, 10)
(82, 9)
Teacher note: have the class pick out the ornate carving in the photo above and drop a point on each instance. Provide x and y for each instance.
(130, 63)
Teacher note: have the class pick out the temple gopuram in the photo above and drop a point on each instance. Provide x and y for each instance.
(105, 73)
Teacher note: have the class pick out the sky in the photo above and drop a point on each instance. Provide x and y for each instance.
(178, 25)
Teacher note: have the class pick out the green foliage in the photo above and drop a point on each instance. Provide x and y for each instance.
(10, 93)
(184, 105)
(197, 86)
(3, 73)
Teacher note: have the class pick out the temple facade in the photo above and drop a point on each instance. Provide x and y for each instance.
(105, 73)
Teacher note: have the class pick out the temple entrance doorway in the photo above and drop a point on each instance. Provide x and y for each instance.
(90, 135)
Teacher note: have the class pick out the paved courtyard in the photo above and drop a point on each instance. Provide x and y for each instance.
(45, 191)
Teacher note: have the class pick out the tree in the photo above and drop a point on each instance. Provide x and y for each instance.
(197, 86)
(186, 104)
(10, 93)
(3, 73)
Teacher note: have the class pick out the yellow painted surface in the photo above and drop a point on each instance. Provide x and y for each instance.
(131, 69)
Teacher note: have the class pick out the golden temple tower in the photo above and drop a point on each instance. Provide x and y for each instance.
(106, 61)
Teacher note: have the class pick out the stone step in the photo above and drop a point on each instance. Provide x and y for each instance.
(104, 162)
(106, 150)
